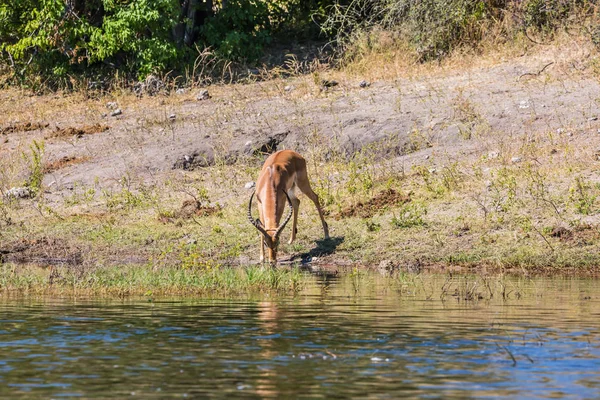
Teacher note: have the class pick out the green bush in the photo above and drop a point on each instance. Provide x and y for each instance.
(435, 27)
(240, 31)
(50, 42)
(53, 38)
(432, 27)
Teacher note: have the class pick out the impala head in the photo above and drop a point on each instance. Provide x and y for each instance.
(270, 236)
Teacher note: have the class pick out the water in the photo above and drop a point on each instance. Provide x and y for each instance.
(543, 340)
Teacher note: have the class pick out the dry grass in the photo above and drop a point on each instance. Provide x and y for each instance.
(483, 192)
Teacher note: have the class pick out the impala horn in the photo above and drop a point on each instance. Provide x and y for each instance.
(256, 222)
(258, 225)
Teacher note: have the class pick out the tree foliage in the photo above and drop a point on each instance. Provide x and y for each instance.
(55, 39)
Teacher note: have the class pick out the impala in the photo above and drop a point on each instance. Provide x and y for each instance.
(282, 174)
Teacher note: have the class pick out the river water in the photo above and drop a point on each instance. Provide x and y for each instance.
(346, 337)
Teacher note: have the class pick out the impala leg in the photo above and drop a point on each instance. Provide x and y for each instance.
(304, 186)
(295, 206)
(261, 238)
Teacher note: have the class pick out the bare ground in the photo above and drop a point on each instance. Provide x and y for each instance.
(420, 115)
(488, 109)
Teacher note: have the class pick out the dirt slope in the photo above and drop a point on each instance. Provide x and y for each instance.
(441, 114)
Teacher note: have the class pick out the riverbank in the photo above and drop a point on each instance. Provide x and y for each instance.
(482, 163)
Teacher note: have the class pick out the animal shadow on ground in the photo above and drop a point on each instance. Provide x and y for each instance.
(324, 247)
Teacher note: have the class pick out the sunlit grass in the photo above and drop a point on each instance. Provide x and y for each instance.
(144, 280)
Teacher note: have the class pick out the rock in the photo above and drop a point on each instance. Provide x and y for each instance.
(203, 95)
(593, 119)
(524, 104)
(249, 185)
(364, 84)
(415, 267)
(151, 86)
(172, 117)
(516, 160)
(180, 91)
(202, 158)
(288, 88)
(248, 143)
(19, 193)
(387, 267)
(112, 105)
(116, 112)
(493, 154)
(326, 83)
(561, 232)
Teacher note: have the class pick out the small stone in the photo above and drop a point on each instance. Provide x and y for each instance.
(570, 134)
(248, 143)
(180, 91)
(593, 119)
(116, 112)
(427, 157)
(249, 185)
(19, 193)
(515, 160)
(172, 117)
(560, 130)
(386, 267)
(364, 84)
(203, 95)
(112, 105)
(288, 88)
(493, 154)
(524, 104)
(329, 83)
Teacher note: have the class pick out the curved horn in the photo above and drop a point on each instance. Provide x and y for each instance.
(256, 222)
(287, 219)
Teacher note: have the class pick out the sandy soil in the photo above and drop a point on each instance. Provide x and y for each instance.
(435, 114)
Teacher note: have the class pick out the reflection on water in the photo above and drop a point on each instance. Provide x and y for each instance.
(329, 341)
